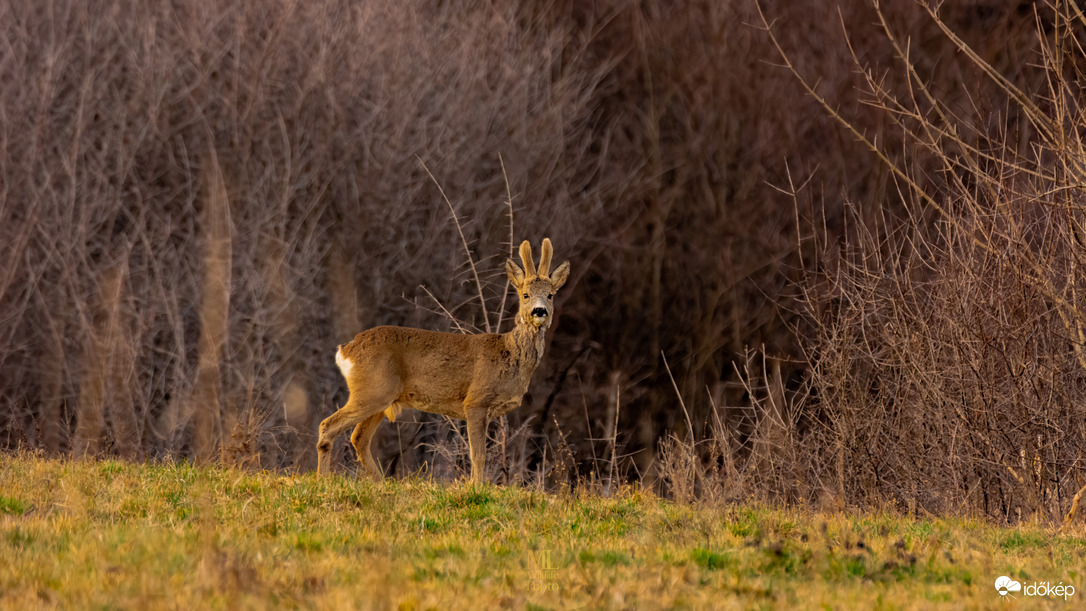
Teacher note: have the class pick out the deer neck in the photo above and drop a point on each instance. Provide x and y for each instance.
(527, 342)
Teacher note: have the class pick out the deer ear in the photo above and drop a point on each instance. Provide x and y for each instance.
(560, 275)
(526, 257)
(516, 275)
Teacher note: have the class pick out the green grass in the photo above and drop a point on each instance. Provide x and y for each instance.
(117, 535)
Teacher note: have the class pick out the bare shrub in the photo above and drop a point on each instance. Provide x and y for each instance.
(946, 362)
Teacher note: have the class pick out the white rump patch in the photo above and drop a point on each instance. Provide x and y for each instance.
(345, 364)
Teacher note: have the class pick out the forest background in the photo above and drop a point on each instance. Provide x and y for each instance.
(822, 252)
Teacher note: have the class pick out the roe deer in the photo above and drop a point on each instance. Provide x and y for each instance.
(472, 377)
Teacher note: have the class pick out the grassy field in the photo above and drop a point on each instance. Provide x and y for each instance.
(108, 534)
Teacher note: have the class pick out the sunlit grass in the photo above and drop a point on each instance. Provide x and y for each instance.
(120, 535)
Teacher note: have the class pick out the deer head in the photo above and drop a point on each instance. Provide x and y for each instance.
(536, 287)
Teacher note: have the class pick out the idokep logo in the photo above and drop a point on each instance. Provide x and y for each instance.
(1006, 586)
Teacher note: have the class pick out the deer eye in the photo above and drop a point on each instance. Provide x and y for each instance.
(550, 296)
(525, 295)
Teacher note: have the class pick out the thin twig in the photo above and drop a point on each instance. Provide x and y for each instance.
(509, 203)
(689, 424)
(445, 311)
(614, 439)
(464, 240)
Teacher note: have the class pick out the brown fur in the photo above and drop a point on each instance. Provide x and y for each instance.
(472, 377)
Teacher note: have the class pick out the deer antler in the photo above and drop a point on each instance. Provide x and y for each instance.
(526, 257)
(545, 259)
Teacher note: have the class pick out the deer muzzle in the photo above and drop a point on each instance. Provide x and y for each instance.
(540, 315)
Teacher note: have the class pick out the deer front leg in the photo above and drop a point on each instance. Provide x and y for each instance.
(476, 417)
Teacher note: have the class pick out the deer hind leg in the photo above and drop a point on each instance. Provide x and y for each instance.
(360, 439)
(356, 411)
(330, 428)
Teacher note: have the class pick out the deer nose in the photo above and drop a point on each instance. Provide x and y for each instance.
(539, 312)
